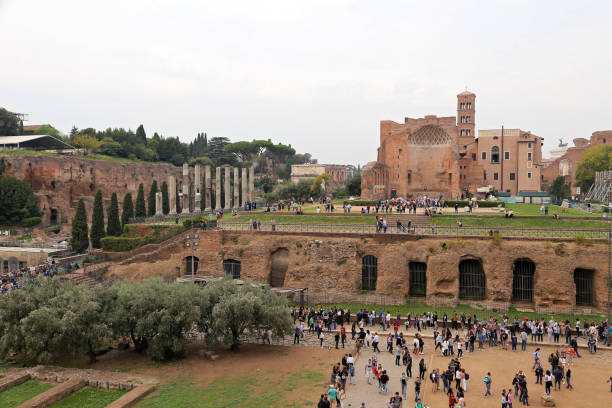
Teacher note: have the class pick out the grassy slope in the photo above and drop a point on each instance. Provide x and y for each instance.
(21, 393)
(90, 397)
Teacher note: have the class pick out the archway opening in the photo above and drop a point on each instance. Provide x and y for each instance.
(583, 278)
(472, 280)
(369, 272)
(279, 263)
(418, 278)
(232, 268)
(189, 264)
(523, 271)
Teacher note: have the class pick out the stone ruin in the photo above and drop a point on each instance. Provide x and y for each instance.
(203, 192)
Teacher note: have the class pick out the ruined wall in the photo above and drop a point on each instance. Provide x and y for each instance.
(332, 265)
(59, 182)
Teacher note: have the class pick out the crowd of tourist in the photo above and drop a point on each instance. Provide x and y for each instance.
(14, 279)
(454, 336)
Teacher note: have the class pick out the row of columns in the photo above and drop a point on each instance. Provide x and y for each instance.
(247, 190)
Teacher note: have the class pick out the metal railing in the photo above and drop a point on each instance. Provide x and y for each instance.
(421, 231)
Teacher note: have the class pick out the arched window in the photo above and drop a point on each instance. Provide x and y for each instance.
(523, 271)
(232, 268)
(189, 263)
(472, 281)
(583, 278)
(495, 154)
(418, 278)
(369, 272)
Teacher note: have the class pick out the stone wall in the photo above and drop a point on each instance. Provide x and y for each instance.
(331, 265)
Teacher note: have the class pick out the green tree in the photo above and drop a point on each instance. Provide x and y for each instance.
(80, 234)
(97, 221)
(16, 201)
(165, 198)
(141, 135)
(113, 228)
(560, 189)
(9, 123)
(141, 210)
(151, 199)
(128, 209)
(597, 158)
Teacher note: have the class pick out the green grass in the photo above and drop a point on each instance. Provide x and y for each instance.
(90, 397)
(257, 390)
(420, 308)
(22, 392)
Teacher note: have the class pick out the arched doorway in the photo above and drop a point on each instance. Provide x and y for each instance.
(418, 278)
(472, 280)
(232, 268)
(189, 263)
(369, 272)
(523, 271)
(583, 278)
(279, 262)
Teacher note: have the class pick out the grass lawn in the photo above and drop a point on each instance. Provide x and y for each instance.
(248, 390)
(22, 392)
(420, 308)
(90, 397)
(300, 219)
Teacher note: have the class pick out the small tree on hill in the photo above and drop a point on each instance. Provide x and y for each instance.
(141, 210)
(97, 221)
(128, 209)
(114, 225)
(165, 198)
(80, 233)
(151, 199)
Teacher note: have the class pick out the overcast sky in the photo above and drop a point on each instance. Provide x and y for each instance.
(319, 75)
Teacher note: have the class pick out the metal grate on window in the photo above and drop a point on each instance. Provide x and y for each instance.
(369, 272)
(472, 281)
(418, 278)
(523, 271)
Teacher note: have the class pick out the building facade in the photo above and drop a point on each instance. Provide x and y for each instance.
(442, 157)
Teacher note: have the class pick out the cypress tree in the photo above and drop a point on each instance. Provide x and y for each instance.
(179, 209)
(97, 221)
(151, 199)
(114, 226)
(80, 232)
(141, 210)
(165, 198)
(128, 209)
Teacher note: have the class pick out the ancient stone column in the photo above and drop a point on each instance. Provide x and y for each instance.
(197, 187)
(172, 194)
(226, 186)
(251, 184)
(185, 203)
(244, 187)
(236, 187)
(207, 188)
(158, 204)
(218, 189)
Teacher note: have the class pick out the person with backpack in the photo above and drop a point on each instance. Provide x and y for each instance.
(487, 381)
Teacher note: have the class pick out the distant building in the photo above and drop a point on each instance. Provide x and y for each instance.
(441, 157)
(339, 173)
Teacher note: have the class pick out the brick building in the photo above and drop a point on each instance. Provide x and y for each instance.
(441, 156)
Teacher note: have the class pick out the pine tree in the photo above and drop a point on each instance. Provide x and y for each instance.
(97, 221)
(80, 232)
(151, 199)
(179, 209)
(165, 198)
(114, 226)
(128, 209)
(141, 210)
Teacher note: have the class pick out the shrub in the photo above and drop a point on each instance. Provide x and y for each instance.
(120, 244)
(31, 221)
